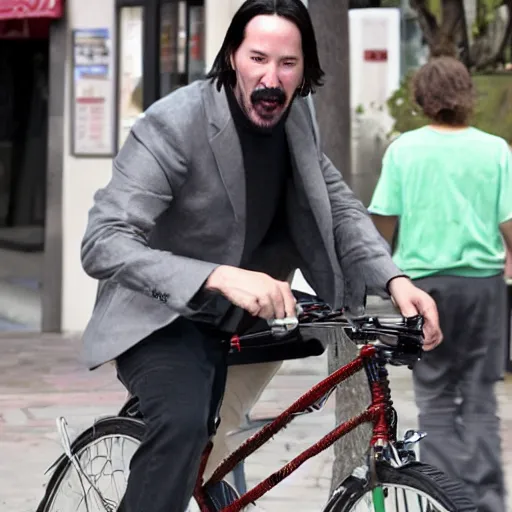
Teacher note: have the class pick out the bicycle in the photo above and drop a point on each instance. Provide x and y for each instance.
(391, 477)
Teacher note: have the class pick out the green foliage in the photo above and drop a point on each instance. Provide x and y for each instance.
(485, 14)
(403, 109)
(436, 8)
(493, 112)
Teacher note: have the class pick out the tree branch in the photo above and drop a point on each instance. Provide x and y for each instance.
(498, 56)
(426, 19)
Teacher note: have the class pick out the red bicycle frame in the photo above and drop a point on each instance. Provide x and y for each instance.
(376, 413)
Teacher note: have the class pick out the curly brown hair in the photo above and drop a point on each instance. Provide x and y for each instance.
(443, 88)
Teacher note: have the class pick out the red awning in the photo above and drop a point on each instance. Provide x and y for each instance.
(16, 9)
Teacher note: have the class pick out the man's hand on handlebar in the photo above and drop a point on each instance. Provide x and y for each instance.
(257, 293)
(412, 301)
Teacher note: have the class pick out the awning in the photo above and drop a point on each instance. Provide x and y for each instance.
(28, 19)
(23, 9)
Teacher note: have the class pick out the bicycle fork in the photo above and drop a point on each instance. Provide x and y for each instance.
(384, 427)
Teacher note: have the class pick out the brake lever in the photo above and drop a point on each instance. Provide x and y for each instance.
(352, 320)
(284, 325)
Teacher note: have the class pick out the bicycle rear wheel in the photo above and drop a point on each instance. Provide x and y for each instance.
(416, 487)
(104, 452)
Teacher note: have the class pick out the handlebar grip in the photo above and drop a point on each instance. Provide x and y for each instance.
(288, 323)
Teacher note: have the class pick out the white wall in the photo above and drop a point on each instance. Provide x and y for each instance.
(218, 17)
(82, 177)
(371, 84)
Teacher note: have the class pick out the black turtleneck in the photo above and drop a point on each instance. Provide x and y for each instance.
(267, 165)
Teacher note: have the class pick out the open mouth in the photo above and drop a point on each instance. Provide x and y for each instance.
(268, 102)
(266, 108)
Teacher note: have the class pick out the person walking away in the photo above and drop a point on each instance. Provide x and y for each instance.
(448, 186)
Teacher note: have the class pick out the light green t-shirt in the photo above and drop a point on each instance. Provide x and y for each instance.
(451, 191)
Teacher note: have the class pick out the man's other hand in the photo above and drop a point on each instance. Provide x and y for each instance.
(412, 301)
(257, 293)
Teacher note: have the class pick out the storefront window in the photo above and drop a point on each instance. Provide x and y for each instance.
(182, 38)
(130, 69)
(196, 61)
(161, 48)
(172, 32)
(181, 44)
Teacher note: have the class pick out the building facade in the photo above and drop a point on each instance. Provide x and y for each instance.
(108, 61)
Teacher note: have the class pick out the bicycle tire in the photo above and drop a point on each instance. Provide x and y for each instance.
(418, 476)
(219, 496)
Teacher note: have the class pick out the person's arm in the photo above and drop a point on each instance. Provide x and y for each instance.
(505, 203)
(148, 170)
(506, 231)
(386, 204)
(508, 265)
(386, 225)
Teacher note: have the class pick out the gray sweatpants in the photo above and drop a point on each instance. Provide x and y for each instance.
(454, 385)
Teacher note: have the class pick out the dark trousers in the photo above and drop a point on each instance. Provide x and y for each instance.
(454, 386)
(178, 374)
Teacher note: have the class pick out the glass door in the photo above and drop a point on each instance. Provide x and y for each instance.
(196, 54)
(130, 95)
(172, 36)
(181, 43)
(160, 48)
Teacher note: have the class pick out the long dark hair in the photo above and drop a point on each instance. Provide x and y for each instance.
(292, 10)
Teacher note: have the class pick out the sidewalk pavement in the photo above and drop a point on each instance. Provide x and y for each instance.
(41, 378)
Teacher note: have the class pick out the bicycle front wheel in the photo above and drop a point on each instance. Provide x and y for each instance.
(104, 452)
(416, 487)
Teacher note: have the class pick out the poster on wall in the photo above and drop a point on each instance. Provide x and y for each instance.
(92, 127)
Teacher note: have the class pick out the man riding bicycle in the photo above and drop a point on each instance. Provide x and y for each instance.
(220, 192)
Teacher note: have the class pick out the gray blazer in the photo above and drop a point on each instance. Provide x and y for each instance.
(174, 210)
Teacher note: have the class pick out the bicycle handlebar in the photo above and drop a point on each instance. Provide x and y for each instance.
(398, 339)
(316, 311)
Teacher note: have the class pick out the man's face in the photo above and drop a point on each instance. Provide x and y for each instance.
(269, 67)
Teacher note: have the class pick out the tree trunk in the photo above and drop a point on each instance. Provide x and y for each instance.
(352, 398)
(447, 36)
(332, 104)
(427, 21)
(454, 25)
(485, 52)
(332, 101)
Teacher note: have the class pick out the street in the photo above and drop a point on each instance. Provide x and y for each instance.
(41, 378)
